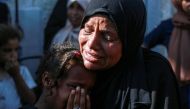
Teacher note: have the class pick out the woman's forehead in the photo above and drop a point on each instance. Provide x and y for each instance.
(100, 19)
(99, 16)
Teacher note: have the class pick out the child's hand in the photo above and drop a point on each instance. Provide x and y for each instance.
(12, 67)
(78, 99)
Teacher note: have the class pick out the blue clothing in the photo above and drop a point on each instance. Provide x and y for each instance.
(9, 97)
(160, 35)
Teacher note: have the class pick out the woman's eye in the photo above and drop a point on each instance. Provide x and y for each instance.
(107, 37)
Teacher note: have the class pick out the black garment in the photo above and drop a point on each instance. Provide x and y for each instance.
(146, 86)
(56, 21)
(160, 35)
(28, 107)
(141, 79)
(4, 13)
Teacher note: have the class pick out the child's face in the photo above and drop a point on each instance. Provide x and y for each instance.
(186, 6)
(9, 51)
(77, 76)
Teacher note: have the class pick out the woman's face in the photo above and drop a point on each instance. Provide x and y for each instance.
(100, 45)
(75, 14)
(9, 51)
(186, 6)
(77, 76)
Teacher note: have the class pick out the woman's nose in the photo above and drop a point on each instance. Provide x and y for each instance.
(94, 42)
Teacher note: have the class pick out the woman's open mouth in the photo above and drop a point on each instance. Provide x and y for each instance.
(92, 57)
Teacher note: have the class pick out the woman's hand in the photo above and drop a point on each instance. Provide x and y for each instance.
(78, 99)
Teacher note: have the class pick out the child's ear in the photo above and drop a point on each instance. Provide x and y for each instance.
(47, 80)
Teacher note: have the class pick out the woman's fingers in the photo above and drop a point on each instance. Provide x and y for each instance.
(70, 101)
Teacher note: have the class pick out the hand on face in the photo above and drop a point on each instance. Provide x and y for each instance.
(73, 90)
(12, 67)
(78, 99)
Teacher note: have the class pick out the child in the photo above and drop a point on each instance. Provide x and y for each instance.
(16, 81)
(64, 79)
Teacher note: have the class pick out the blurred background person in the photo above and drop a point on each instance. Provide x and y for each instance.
(75, 11)
(16, 82)
(57, 20)
(179, 54)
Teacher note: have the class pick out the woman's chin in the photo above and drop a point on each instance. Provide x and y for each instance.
(92, 66)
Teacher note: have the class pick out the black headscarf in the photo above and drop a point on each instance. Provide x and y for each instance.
(130, 18)
(135, 82)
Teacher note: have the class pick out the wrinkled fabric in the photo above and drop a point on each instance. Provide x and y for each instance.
(67, 33)
(179, 54)
(145, 86)
(141, 79)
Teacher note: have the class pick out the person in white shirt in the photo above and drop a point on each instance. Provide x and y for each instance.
(16, 82)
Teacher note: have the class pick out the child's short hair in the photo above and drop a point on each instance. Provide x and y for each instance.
(8, 32)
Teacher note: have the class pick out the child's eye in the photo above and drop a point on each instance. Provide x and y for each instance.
(87, 31)
(73, 86)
